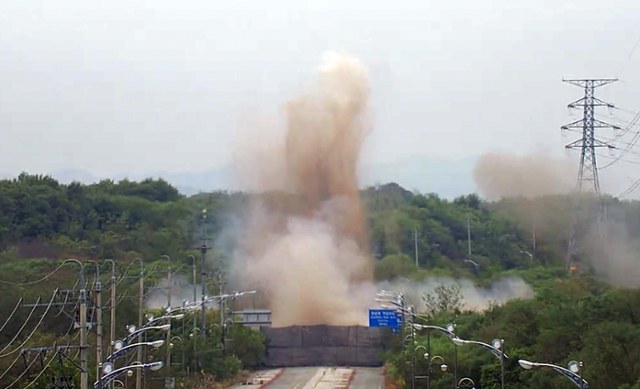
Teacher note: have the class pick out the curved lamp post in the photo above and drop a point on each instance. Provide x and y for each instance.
(434, 359)
(449, 331)
(109, 374)
(396, 298)
(122, 350)
(467, 382)
(178, 338)
(496, 348)
(194, 332)
(133, 332)
(574, 371)
(151, 320)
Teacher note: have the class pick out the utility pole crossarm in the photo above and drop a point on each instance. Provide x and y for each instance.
(582, 102)
(580, 123)
(595, 82)
(44, 349)
(596, 143)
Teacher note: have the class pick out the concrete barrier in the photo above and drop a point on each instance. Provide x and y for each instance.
(324, 346)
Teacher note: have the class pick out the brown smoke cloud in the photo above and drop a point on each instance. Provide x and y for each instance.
(499, 175)
(614, 258)
(305, 242)
(534, 176)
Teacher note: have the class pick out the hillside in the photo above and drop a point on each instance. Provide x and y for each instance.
(513, 241)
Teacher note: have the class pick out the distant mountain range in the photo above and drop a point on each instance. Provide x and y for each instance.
(448, 179)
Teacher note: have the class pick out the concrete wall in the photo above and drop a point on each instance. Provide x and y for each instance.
(324, 346)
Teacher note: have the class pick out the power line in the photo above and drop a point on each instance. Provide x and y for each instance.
(26, 369)
(629, 145)
(629, 190)
(11, 315)
(22, 327)
(33, 282)
(21, 355)
(34, 329)
(34, 380)
(633, 49)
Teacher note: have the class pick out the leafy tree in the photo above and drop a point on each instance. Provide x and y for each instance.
(444, 298)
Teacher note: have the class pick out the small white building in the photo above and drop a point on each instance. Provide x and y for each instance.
(254, 318)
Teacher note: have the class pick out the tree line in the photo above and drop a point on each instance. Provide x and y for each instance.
(572, 315)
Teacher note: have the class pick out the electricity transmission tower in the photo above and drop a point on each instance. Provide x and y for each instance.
(588, 179)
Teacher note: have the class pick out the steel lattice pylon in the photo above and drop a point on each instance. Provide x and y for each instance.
(588, 172)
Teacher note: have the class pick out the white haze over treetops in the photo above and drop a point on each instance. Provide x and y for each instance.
(474, 298)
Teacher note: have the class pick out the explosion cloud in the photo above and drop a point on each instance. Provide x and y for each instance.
(305, 242)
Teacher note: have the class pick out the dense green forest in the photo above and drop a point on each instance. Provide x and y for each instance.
(584, 315)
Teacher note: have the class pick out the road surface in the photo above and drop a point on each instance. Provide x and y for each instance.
(367, 378)
(294, 378)
(306, 378)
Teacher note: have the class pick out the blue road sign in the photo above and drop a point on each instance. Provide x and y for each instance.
(383, 318)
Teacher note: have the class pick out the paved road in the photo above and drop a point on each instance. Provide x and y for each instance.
(298, 377)
(294, 378)
(368, 378)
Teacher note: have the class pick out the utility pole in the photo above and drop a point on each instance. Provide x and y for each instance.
(195, 297)
(221, 308)
(84, 370)
(588, 172)
(168, 282)
(140, 324)
(533, 232)
(203, 275)
(98, 309)
(112, 312)
(469, 236)
(168, 341)
(415, 242)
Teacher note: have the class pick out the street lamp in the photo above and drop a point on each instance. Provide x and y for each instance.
(221, 299)
(178, 338)
(449, 331)
(526, 253)
(120, 350)
(133, 332)
(434, 359)
(194, 332)
(574, 371)
(496, 348)
(151, 320)
(468, 381)
(109, 374)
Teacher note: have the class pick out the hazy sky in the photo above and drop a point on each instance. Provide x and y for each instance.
(138, 86)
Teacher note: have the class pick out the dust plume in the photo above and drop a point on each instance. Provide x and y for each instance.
(181, 290)
(612, 256)
(474, 298)
(304, 244)
(548, 219)
(499, 175)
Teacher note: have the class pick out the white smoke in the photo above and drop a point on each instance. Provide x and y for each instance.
(474, 298)
(181, 290)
